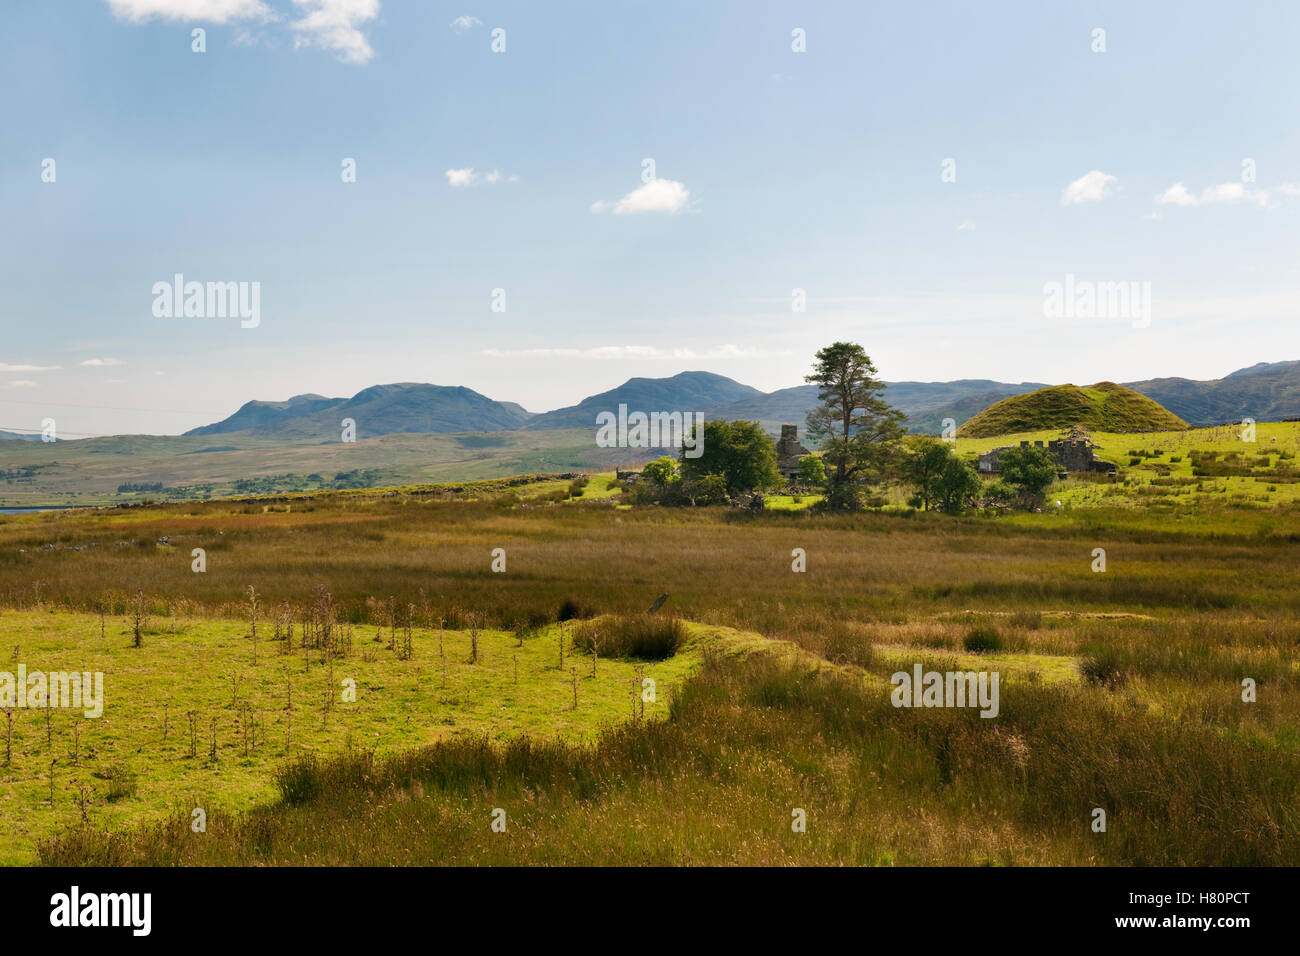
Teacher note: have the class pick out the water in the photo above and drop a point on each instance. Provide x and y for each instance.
(25, 511)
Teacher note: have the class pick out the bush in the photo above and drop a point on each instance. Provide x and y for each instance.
(982, 639)
(645, 637)
(1102, 667)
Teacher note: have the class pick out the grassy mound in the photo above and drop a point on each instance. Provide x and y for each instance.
(1102, 407)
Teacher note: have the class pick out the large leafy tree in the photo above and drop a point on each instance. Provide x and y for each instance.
(740, 453)
(922, 465)
(942, 478)
(1029, 469)
(959, 484)
(856, 427)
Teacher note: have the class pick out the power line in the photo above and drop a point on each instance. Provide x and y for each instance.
(108, 408)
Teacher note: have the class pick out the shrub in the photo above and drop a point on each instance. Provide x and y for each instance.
(1102, 667)
(122, 782)
(573, 609)
(845, 647)
(1032, 620)
(646, 637)
(982, 639)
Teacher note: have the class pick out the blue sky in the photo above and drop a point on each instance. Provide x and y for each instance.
(775, 170)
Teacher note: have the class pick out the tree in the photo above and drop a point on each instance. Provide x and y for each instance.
(923, 461)
(811, 470)
(661, 471)
(958, 484)
(855, 426)
(1029, 469)
(740, 453)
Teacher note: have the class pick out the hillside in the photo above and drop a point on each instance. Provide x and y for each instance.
(1268, 391)
(378, 410)
(1102, 407)
(925, 404)
(685, 392)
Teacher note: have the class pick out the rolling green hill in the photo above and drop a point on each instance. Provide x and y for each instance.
(1102, 407)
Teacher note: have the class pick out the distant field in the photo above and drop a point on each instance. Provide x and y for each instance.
(90, 471)
(1163, 479)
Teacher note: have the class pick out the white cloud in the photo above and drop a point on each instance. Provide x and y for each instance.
(335, 25)
(211, 11)
(22, 383)
(461, 24)
(1180, 195)
(469, 176)
(658, 195)
(101, 362)
(6, 367)
(966, 226)
(1090, 187)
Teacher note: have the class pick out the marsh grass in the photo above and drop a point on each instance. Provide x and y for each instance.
(646, 637)
(715, 782)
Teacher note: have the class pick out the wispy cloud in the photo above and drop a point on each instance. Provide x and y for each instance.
(461, 24)
(206, 11)
(336, 25)
(633, 352)
(101, 362)
(658, 195)
(472, 177)
(6, 367)
(966, 226)
(1232, 192)
(1090, 187)
(22, 383)
(333, 25)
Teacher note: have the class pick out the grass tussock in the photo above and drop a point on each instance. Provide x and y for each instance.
(646, 637)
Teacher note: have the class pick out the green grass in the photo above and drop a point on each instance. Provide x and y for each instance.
(790, 502)
(399, 704)
(1102, 407)
(784, 683)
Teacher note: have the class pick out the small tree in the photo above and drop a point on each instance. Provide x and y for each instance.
(1029, 469)
(923, 463)
(660, 472)
(958, 484)
(811, 470)
(139, 618)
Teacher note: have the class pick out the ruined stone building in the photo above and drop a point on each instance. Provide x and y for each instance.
(789, 451)
(1071, 454)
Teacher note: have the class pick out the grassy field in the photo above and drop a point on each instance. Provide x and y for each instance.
(1121, 690)
(90, 471)
(251, 715)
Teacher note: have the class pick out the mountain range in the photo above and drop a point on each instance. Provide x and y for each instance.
(1266, 392)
